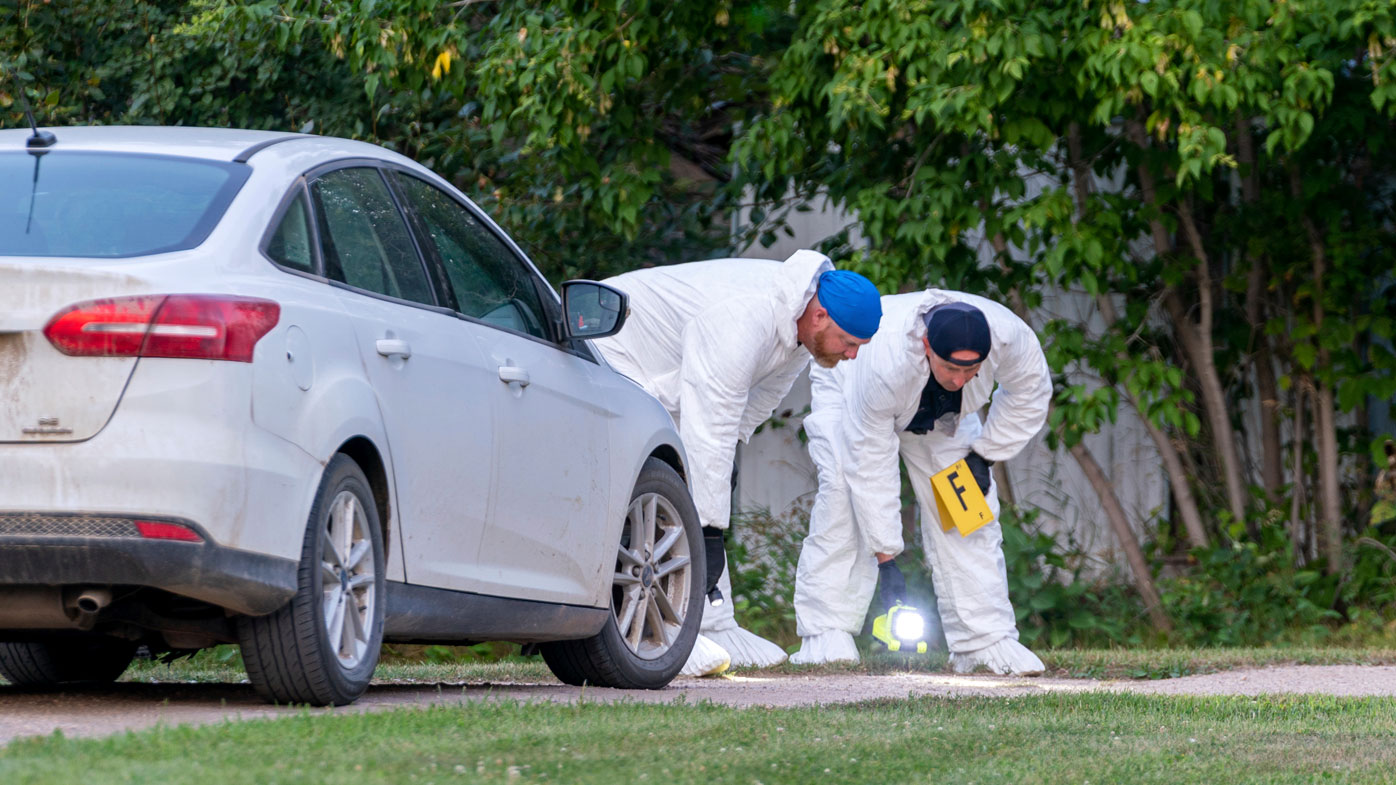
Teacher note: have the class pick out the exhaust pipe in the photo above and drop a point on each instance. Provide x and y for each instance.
(92, 600)
(51, 607)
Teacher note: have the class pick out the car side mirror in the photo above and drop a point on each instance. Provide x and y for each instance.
(593, 310)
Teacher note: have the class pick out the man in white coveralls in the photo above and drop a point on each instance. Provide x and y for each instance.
(917, 389)
(720, 343)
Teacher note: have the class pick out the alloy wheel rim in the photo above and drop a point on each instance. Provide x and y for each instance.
(650, 589)
(347, 580)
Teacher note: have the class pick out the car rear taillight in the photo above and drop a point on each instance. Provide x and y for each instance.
(200, 326)
(162, 530)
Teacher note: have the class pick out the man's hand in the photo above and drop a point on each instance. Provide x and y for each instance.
(979, 467)
(715, 549)
(889, 575)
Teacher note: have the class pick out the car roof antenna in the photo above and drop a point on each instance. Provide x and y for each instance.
(38, 145)
(40, 139)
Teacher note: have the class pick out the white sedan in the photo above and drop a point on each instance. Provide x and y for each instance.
(300, 394)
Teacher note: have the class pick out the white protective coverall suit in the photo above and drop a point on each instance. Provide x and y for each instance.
(857, 426)
(715, 342)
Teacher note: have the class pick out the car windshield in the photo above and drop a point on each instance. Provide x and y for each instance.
(107, 205)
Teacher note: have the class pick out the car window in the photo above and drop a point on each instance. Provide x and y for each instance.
(364, 238)
(289, 246)
(110, 205)
(490, 281)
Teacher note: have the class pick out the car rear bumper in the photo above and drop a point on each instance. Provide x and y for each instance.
(56, 552)
(182, 445)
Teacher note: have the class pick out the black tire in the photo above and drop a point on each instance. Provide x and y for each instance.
(93, 659)
(611, 658)
(289, 654)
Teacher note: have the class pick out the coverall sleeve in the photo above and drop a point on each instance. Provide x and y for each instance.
(722, 349)
(870, 435)
(1019, 406)
(766, 396)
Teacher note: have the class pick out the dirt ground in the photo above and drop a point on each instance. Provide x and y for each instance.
(101, 711)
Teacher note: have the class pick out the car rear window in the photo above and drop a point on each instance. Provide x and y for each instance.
(107, 205)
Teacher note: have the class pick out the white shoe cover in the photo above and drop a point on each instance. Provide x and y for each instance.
(748, 650)
(830, 646)
(706, 659)
(1007, 657)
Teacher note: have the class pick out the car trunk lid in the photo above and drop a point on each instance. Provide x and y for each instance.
(45, 395)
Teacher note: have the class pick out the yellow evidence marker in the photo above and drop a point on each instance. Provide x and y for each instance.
(959, 501)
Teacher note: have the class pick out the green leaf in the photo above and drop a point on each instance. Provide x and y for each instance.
(1149, 81)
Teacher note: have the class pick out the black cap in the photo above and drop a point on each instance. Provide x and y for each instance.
(958, 327)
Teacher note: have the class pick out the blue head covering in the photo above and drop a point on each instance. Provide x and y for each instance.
(852, 302)
(955, 327)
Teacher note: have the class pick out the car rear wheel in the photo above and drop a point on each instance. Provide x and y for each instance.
(95, 658)
(322, 647)
(656, 593)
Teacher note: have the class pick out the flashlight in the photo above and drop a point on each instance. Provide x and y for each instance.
(908, 625)
(715, 597)
(901, 625)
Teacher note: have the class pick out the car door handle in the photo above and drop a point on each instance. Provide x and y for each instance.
(393, 347)
(512, 374)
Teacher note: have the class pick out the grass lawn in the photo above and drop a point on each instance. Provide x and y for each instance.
(222, 665)
(1050, 738)
(1057, 738)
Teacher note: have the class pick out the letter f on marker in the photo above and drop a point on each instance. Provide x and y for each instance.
(959, 489)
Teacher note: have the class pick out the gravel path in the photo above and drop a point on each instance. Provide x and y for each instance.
(128, 706)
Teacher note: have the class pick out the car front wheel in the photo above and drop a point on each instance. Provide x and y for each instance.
(322, 646)
(656, 593)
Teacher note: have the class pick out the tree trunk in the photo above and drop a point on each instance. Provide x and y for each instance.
(1172, 464)
(1268, 391)
(1325, 427)
(1196, 339)
(1119, 523)
(1168, 452)
(1114, 511)
(1296, 494)
(1365, 480)
(1330, 505)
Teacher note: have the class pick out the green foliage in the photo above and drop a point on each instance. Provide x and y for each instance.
(492, 651)
(454, 86)
(1055, 604)
(87, 61)
(595, 134)
(1249, 593)
(1131, 154)
(762, 558)
(1370, 582)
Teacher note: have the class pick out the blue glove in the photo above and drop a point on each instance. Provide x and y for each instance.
(889, 575)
